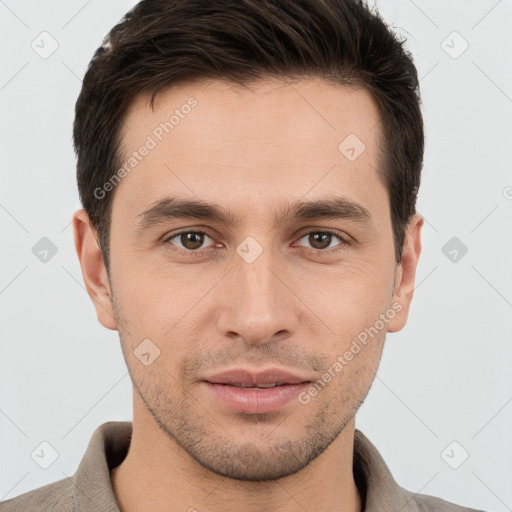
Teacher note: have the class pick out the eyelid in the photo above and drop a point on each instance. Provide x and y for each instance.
(333, 231)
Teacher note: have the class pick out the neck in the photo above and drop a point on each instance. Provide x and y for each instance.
(158, 475)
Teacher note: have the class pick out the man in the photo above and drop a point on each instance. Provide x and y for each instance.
(249, 172)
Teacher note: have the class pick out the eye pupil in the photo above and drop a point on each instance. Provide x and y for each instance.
(187, 239)
(314, 238)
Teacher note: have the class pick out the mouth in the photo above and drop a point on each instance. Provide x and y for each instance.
(255, 392)
(257, 386)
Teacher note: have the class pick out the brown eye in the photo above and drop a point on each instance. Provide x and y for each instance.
(322, 240)
(188, 240)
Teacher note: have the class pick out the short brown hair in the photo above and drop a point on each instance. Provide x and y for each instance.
(160, 43)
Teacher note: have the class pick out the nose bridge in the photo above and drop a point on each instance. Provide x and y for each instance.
(259, 305)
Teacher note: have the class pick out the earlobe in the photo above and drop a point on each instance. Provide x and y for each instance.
(406, 274)
(93, 268)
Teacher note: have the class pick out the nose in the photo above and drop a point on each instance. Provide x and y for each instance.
(259, 304)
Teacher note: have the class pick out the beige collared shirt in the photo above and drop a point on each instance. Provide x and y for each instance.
(90, 488)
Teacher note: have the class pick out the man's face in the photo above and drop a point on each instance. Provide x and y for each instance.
(256, 291)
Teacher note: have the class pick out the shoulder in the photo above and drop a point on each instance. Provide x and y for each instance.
(427, 503)
(56, 496)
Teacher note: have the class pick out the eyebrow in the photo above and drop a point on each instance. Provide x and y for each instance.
(170, 208)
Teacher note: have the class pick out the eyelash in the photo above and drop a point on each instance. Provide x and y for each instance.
(344, 241)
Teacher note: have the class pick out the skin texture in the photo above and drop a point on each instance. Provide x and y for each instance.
(252, 151)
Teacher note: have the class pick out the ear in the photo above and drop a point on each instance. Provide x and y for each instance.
(93, 268)
(406, 274)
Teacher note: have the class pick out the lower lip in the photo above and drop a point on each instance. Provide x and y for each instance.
(253, 400)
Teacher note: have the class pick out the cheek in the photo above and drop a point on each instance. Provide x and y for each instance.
(350, 294)
(167, 306)
(164, 292)
(350, 303)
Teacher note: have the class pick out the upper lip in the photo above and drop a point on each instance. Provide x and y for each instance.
(253, 378)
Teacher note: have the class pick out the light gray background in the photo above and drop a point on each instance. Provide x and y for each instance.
(446, 377)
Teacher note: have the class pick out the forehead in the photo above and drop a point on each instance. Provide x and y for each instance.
(272, 139)
(290, 109)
